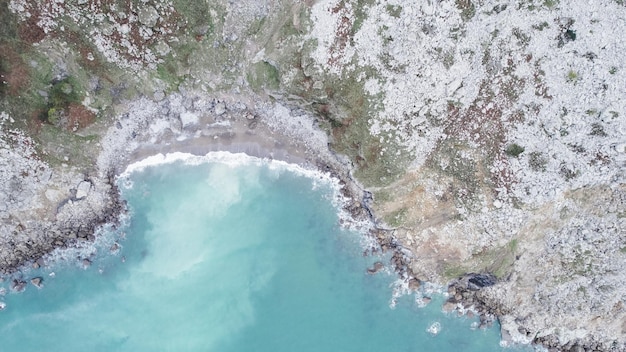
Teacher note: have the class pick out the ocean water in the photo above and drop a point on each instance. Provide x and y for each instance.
(228, 253)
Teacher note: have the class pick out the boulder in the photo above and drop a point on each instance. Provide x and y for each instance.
(376, 268)
(18, 285)
(477, 281)
(83, 189)
(37, 282)
(220, 108)
(148, 16)
(414, 284)
(188, 119)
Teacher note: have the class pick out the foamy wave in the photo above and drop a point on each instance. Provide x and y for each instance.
(318, 178)
(105, 239)
(434, 328)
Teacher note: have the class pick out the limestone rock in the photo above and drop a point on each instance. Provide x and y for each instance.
(83, 190)
(188, 119)
(220, 109)
(148, 16)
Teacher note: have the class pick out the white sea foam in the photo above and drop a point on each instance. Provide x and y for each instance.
(233, 160)
(105, 237)
(434, 328)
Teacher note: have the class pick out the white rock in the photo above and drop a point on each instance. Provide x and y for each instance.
(220, 108)
(188, 119)
(83, 190)
(53, 195)
(148, 16)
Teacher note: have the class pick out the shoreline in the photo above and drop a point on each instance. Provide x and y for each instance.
(254, 131)
(234, 129)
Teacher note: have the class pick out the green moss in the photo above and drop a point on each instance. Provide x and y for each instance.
(514, 150)
(197, 15)
(382, 196)
(264, 75)
(572, 76)
(455, 159)
(597, 130)
(397, 217)
(65, 91)
(550, 4)
(537, 161)
(394, 10)
(360, 9)
(453, 271)
(467, 8)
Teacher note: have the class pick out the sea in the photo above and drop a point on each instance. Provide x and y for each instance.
(226, 252)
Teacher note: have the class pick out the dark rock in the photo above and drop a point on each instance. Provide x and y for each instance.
(449, 306)
(376, 268)
(478, 281)
(414, 284)
(18, 285)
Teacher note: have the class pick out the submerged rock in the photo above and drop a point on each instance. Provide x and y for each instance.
(376, 268)
(414, 284)
(18, 285)
(37, 282)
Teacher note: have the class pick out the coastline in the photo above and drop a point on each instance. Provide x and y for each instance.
(147, 129)
(150, 127)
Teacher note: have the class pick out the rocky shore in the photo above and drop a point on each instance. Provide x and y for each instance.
(477, 137)
(192, 123)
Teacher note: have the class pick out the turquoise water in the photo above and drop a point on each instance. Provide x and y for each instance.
(233, 254)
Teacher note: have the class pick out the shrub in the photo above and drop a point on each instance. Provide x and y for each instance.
(514, 150)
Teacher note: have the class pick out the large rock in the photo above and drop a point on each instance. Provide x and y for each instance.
(82, 191)
(18, 285)
(37, 282)
(478, 281)
(188, 119)
(148, 16)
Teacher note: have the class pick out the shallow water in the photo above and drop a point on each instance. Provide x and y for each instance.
(233, 254)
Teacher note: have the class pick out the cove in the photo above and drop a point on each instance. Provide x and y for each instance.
(227, 253)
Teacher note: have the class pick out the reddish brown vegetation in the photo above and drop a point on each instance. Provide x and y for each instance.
(16, 74)
(79, 117)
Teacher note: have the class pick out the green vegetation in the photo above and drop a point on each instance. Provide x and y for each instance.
(613, 70)
(453, 271)
(572, 76)
(360, 14)
(394, 10)
(550, 4)
(197, 15)
(467, 8)
(537, 161)
(397, 217)
(498, 261)
(541, 26)
(263, 75)
(597, 130)
(345, 110)
(514, 150)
